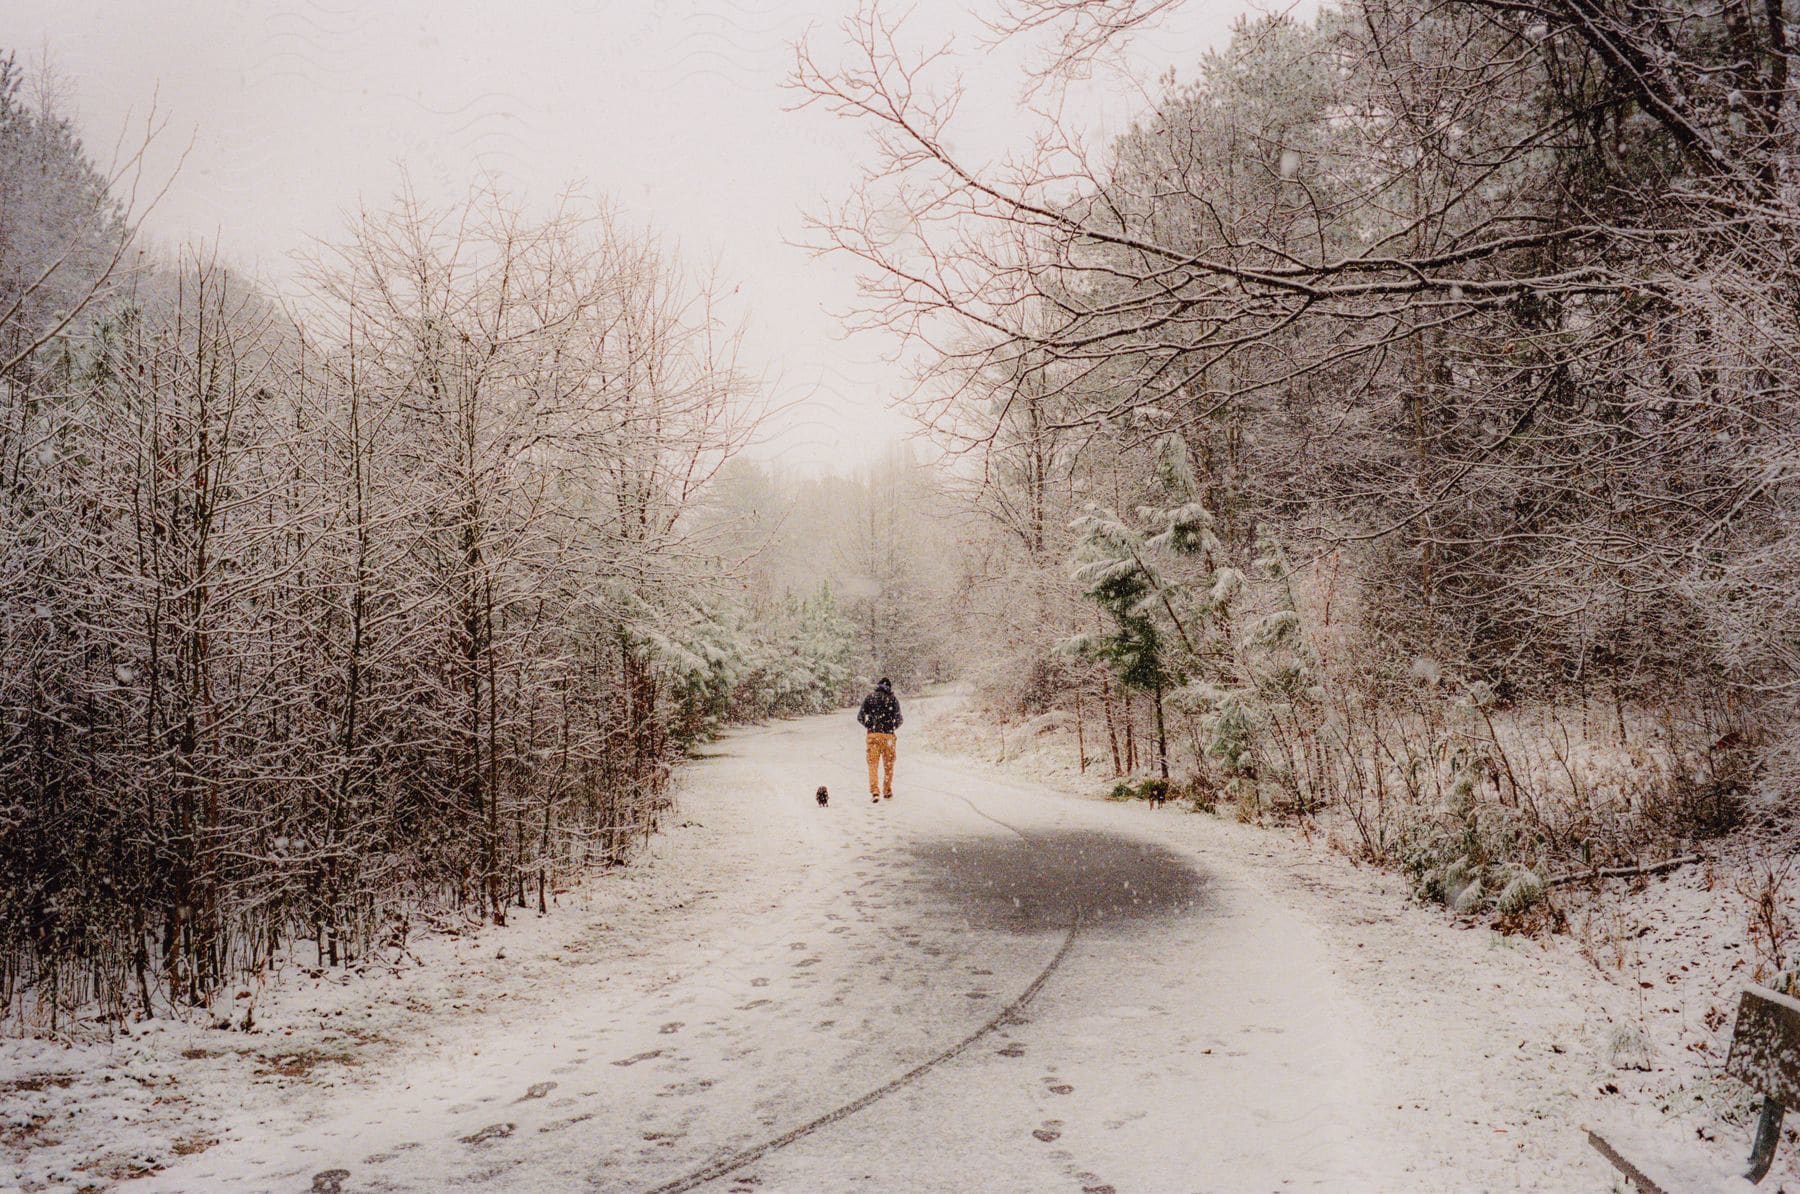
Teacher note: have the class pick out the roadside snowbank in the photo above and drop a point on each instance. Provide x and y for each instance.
(1625, 1021)
(769, 961)
(88, 1115)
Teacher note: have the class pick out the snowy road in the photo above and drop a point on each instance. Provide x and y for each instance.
(974, 986)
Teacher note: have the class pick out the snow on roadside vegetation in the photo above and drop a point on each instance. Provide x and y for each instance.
(81, 1115)
(1621, 1020)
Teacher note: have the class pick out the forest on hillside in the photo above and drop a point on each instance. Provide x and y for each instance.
(390, 596)
(1396, 426)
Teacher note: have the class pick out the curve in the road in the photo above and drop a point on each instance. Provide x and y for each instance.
(725, 1165)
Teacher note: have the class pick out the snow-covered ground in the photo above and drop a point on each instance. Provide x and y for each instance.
(983, 984)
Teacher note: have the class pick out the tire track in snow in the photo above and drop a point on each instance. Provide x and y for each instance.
(1006, 1015)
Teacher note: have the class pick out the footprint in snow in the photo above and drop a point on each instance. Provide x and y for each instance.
(331, 1181)
(637, 1057)
(491, 1132)
(671, 1026)
(1061, 1089)
(1013, 1049)
(759, 982)
(754, 1003)
(1047, 1134)
(559, 1125)
(537, 1090)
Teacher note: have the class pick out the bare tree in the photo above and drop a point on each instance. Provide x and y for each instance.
(1478, 312)
(321, 615)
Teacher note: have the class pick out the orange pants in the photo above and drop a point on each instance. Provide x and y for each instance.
(881, 751)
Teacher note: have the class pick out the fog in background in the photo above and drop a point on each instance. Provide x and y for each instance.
(293, 113)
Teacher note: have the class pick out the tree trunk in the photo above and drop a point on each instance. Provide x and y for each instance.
(1130, 733)
(1112, 726)
(1162, 737)
(1080, 735)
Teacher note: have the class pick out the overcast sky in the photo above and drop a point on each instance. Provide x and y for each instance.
(297, 110)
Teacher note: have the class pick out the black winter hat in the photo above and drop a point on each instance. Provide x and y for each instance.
(883, 683)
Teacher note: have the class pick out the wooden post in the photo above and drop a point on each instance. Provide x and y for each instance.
(1768, 1135)
(1765, 1056)
(1643, 1181)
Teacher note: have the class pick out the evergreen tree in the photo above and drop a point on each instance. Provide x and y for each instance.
(1129, 571)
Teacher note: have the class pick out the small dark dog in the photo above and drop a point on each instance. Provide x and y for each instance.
(823, 796)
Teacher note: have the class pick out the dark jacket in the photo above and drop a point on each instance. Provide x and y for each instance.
(880, 712)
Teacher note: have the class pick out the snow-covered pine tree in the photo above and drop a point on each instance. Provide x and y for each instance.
(1142, 577)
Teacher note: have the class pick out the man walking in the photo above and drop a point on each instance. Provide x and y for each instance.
(880, 715)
